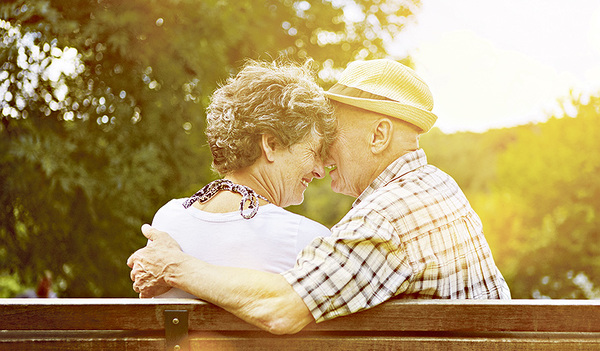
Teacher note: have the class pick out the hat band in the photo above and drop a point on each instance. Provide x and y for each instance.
(342, 89)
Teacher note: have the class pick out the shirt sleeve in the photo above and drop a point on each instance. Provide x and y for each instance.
(359, 266)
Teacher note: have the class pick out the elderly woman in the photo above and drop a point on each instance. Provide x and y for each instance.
(267, 129)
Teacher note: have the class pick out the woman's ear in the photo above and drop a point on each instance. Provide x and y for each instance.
(268, 144)
(382, 135)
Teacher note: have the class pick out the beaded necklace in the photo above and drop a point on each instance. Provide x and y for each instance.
(212, 188)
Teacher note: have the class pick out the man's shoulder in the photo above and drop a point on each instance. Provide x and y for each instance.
(416, 200)
(426, 182)
(413, 187)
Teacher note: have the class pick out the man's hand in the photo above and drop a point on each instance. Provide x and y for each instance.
(263, 299)
(149, 265)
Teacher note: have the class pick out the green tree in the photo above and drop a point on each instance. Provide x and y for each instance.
(102, 109)
(536, 191)
(548, 204)
(458, 154)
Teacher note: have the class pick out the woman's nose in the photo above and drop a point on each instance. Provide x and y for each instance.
(319, 170)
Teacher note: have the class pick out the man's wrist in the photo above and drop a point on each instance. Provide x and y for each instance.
(179, 271)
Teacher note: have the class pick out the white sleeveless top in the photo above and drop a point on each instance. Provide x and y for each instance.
(270, 241)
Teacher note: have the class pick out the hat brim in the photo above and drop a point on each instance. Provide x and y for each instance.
(411, 114)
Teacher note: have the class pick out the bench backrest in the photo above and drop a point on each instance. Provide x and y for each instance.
(181, 324)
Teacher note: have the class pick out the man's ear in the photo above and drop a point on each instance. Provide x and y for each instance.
(268, 144)
(381, 136)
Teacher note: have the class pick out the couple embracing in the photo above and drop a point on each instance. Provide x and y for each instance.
(411, 233)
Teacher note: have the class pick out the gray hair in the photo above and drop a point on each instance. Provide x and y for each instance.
(281, 99)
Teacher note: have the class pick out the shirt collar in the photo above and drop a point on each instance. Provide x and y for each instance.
(402, 165)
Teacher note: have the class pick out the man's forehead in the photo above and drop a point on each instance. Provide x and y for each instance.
(345, 111)
(344, 114)
(341, 108)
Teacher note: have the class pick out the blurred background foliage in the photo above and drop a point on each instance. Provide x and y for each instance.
(537, 191)
(102, 109)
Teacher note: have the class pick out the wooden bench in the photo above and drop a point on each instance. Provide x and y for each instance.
(182, 324)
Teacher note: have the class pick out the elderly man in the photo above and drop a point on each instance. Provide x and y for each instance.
(411, 233)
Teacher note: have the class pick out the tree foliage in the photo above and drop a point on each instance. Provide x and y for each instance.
(102, 109)
(550, 174)
(540, 202)
(102, 115)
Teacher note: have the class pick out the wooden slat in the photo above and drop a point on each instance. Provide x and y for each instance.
(88, 314)
(397, 343)
(397, 315)
(134, 324)
(314, 341)
(476, 315)
(81, 340)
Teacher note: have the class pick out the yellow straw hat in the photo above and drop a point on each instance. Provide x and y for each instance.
(387, 87)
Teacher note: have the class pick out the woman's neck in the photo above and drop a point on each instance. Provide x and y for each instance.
(226, 201)
(253, 180)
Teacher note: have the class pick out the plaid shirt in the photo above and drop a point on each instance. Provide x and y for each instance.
(411, 233)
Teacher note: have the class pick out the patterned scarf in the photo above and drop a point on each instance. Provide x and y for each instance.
(212, 188)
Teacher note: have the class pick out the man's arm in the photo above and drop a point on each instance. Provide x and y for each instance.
(263, 299)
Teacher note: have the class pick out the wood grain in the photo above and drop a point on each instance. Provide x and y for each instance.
(395, 315)
(137, 324)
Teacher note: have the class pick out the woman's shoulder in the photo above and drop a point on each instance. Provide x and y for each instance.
(171, 205)
(167, 212)
(305, 224)
(276, 210)
(306, 230)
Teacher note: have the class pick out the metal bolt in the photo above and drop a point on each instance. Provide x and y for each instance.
(175, 320)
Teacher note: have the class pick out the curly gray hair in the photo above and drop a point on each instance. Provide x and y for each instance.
(281, 99)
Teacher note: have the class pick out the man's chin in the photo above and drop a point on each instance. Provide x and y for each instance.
(335, 187)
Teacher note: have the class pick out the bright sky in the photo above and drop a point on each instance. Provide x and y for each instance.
(493, 64)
